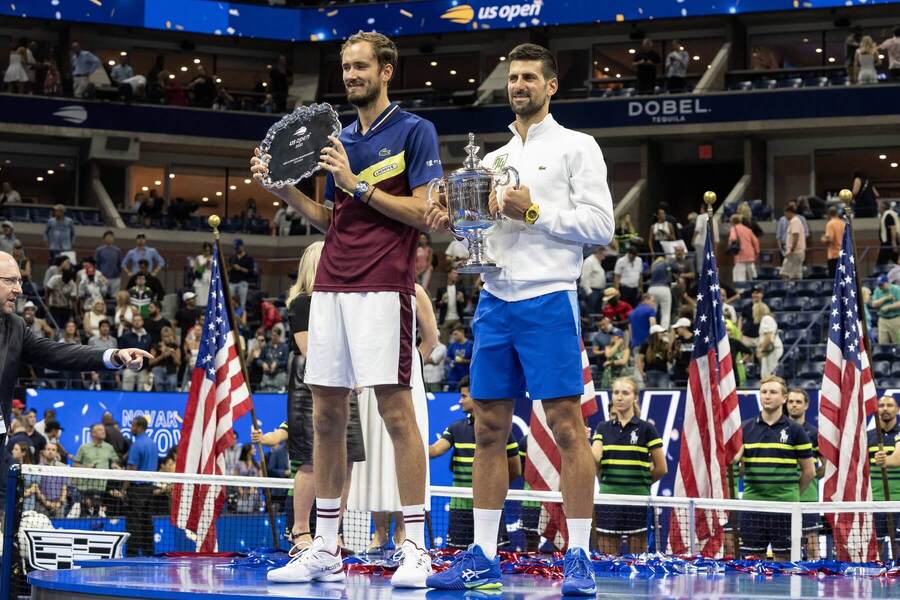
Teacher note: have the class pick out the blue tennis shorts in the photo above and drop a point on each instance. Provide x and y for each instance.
(531, 345)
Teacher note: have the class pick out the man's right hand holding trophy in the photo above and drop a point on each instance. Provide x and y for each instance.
(466, 203)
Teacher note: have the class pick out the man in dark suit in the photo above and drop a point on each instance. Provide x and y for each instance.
(451, 302)
(18, 345)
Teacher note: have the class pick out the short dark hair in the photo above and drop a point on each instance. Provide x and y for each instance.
(104, 322)
(464, 382)
(108, 232)
(458, 328)
(141, 421)
(535, 52)
(384, 49)
(800, 391)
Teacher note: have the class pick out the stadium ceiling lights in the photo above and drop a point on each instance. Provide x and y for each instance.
(428, 83)
(893, 165)
(453, 71)
(40, 179)
(218, 193)
(184, 69)
(50, 171)
(275, 203)
(882, 156)
(818, 51)
(123, 53)
(205, 198)
(471, 80)
(247, 181)
(196, 61)
(171, 175)
(232, 187)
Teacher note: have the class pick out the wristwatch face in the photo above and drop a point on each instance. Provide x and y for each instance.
(362, 187)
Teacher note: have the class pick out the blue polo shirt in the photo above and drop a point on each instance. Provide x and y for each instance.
(143, 454)
(772, 455)
(640, 323)
(366, 250)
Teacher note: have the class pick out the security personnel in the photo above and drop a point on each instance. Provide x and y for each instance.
(630, 455)
(774, 447)
(887, 421)
(460, 436)
(797, 405)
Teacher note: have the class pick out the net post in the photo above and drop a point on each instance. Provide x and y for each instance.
(796, 532)
(9, 532)
(692, 528)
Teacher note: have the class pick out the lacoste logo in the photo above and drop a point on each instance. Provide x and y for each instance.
(384, 152)
(542, 168)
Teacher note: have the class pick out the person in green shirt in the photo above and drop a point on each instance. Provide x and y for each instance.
(886, 301)
(797, 405)
(96, 454)
(774, 447)
(629, 453)
(889, 458)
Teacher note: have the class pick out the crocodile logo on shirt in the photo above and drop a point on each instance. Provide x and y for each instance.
(384, 152)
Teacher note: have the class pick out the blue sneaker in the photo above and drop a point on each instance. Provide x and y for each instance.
(470, 570)
(578, 574)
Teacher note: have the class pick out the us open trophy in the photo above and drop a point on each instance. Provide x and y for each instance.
(295, 143)
(468, 191)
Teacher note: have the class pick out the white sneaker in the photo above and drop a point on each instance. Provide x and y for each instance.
(312, 564)
(415, 566)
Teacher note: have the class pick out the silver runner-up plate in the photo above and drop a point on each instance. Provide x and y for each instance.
(295, 143)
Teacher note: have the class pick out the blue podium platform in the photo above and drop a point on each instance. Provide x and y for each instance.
(190, 578)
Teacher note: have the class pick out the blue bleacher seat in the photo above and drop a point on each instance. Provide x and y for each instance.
(741, 85)
(882, 368)
(806, 288)
(817, 353)
(811, 370)
(794, 303)
(790, 82)
(777, 289)
(811, 384)
(787, 321)
(776, 304)
(232, 224)
(92, 217)
(839, 80)
(817, 303)
(819, 272)
(883, 352)
(792, 336)
(741, 304)
(816, 82)
(765, 84)
(19, 213)
(802, 320)
(41, 214)
(768, 273)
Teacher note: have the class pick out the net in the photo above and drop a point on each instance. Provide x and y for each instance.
(65, 515)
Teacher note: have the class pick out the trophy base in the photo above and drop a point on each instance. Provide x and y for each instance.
(477, 268)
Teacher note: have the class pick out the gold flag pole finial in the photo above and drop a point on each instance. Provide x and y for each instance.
(846, 196)
(710, 199)
(214, 221)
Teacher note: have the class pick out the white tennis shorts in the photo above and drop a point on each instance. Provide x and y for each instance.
(361, 339)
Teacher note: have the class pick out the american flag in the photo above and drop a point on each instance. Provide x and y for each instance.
(218, 397)
(542, 460)
(847, 400)
(711, 435)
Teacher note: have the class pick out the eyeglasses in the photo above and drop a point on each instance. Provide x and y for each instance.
(12, 281)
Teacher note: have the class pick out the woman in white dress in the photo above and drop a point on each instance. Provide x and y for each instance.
(16, 77)
(866, 58)
(374, 485)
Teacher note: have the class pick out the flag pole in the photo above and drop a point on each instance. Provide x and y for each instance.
(214, 222)
(846, 197)
(710, 199)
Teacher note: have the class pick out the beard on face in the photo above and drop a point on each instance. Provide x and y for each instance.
(528, 108)
(365, 98)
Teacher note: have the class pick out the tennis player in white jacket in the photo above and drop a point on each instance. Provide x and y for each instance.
(527, 326)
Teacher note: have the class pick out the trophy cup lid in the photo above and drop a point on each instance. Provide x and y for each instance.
(471, 162)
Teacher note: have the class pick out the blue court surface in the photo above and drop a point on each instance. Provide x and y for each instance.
(183, 579)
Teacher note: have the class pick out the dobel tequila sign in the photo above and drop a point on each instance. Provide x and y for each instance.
(667, 111)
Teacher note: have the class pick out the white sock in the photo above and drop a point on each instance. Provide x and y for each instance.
(486, 523)
(579, 533)
(328, 512)
(414, 522)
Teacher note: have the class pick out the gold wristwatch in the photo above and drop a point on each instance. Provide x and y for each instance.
(532, 214)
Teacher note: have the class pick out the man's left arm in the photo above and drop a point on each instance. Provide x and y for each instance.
(422, 158)
(589, 218)
(74, 357)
